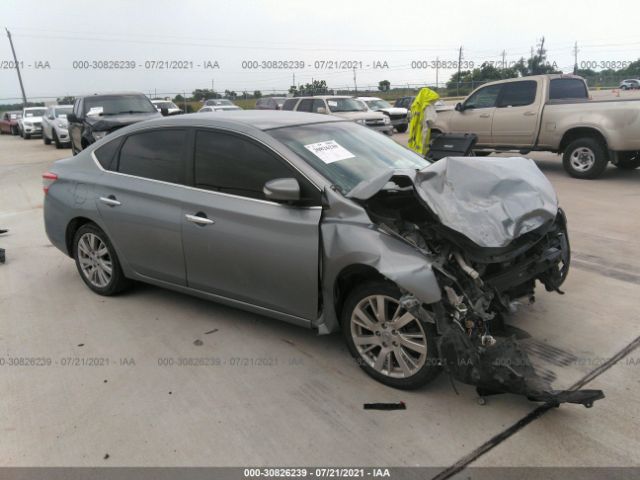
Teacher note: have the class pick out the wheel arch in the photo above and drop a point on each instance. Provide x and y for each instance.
(70, 232)
(582, 132)
(350, 277)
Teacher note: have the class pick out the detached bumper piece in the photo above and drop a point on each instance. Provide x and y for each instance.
(503, 368)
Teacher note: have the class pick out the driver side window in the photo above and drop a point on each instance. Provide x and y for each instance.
(484, 98)
(231, 163)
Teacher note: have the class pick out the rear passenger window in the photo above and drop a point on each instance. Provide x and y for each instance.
(518, 94)
(289, 104)
(233, 164)
(305, 105)
(157, 154)
(106, 154)
(560, 88)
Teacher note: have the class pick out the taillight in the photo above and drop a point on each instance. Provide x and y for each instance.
(47, 180)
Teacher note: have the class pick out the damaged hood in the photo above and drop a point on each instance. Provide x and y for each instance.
(491, 201)
(108, 122)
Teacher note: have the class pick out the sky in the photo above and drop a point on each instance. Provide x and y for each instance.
(64, 45)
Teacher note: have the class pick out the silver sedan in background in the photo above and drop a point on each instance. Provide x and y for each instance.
(320, 222)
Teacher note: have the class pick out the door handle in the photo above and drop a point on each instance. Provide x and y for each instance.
(529, 114)
(484, 115)
(110, 200)
(199, 219)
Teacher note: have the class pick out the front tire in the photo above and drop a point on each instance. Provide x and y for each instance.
(389, 343)
(585, 158)
(45, 139)
(97, 261)
(56, 140)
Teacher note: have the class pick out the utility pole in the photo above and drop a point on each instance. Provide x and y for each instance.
(355, 85)
(24, 96)
(459, 66)
(437, 68)
(504, 56)
(575, 58)
(294, 79)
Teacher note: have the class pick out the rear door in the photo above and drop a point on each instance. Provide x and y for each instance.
(139, 198)
(477, 116)
(241, 246)
(516, 117)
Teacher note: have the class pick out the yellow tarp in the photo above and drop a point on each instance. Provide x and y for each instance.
(419, 133)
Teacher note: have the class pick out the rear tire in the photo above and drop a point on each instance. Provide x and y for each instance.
(628, 160)
(585, 158)
(402, 128)
(389, 343)
(97, 262)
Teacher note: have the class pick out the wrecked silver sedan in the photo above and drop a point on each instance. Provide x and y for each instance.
(325, 224)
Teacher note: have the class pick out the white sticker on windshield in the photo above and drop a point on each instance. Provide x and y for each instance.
(332, 103)
(329, 151)
(95, 111)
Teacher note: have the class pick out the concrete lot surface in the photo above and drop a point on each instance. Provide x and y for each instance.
(275, 394)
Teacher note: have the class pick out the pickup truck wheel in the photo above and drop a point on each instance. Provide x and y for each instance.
(628, 160)
(585, 158)
(387, 341)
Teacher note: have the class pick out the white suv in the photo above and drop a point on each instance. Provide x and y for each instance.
(341, 106)
(399, 116)
(31, 122)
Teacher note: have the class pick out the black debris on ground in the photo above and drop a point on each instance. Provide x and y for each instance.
(211, 331)
(198, 342)
(385, 406)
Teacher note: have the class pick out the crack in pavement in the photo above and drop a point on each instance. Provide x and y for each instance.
(533, 415)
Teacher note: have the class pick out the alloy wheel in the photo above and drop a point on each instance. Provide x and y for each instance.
(95, 260)
(388, 337)
(582, 159)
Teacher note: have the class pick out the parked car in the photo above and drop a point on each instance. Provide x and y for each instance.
(343, 107)
(95, 116)
(270, 103)
(398, 115)
(31, 122)
(631, 84)
(167, 107)
(404, 102)
(55, 126)
(320, 222)
(219, 105)
(550, 113)
(9, 123)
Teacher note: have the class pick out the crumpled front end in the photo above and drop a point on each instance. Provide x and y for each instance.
(491, 232)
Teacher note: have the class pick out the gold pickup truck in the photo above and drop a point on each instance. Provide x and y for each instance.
(552, 113)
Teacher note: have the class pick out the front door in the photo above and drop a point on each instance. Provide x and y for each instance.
(241, 246)
(477, 116)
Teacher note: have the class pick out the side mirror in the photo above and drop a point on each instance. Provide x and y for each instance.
(71, 118)
(282, 190)
(164, 111)
(459, 107)
(321, 110)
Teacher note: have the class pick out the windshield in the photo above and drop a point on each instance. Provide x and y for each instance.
(346, 153)
(166, 105)
(345, 105)
(378, 104)
(118, 104)
(63, 112)
(34, 113)
(219, 103)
